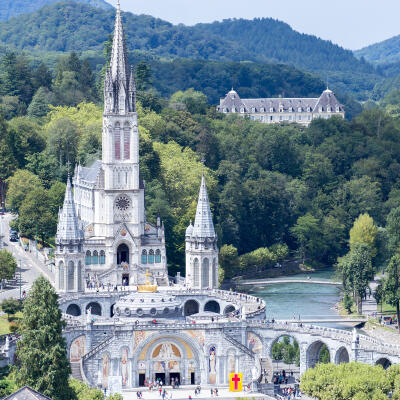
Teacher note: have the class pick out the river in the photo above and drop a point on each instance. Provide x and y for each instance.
(305, 299)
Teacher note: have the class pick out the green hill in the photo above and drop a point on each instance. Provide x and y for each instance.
(68, 26)
(384, 52)
(11, 8)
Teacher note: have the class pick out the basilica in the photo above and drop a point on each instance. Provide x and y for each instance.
(127, 321)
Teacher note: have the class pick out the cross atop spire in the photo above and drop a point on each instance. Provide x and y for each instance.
(119, 86)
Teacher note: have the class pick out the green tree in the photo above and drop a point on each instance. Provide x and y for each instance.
(42, 361)
(307, 233)
(324, 356)
(143, 76)
(8, 265)
(190, 100)
(393, 230)
(391, 288)
(364, 232)
(40, 104)
(379, 295)
(346, 381)
(11, 306)
(38, 214)
(42, 77)
(63, 140)
(19, 186)
(228, 260)
(357, 272)
(26, 137)
(82, 391)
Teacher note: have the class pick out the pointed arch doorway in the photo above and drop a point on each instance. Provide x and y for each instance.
(123, 259)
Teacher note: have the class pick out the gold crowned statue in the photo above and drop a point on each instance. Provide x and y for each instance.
(147, 288)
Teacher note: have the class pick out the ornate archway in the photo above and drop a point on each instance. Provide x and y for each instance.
(317, 352)
(167, 357)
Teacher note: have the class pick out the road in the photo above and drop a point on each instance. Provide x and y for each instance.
(31, 268)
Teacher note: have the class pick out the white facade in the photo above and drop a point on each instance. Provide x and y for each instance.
(119, 244)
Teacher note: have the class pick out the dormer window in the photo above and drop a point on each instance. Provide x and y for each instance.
(320, 109)
(337, 109)
(262, 109)
(242, 110)
(290, 109)
(233, 109)
(225, 110)
(329, 109)
(253, 109)
(299, 109)
(271, 109)
(308, 109)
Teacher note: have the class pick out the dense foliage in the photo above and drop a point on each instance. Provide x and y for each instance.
(70, 26)
(42, 361)
(11, 8)
(351, 381)
(384, 52)
(286, 349)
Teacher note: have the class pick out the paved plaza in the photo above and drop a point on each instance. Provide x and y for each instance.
(184, 393)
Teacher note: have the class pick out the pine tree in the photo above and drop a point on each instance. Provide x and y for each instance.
(42, 361)
(39, 106)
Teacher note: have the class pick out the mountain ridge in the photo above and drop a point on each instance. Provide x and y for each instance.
(385, 52)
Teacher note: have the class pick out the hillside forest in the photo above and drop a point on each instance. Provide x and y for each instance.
(275, 190)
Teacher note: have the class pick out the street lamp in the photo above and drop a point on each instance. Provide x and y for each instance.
(20, 280)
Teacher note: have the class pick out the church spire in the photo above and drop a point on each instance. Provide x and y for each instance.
(203, 224)
(117, 85)
(68, 226)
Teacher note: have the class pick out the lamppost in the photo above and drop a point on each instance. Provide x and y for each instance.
(36, 240)
(20, 280)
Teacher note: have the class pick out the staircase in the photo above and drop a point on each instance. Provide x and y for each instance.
(239, 345)
(98, 348)
(76, 371)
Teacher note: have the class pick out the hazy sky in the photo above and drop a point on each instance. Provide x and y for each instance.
(351, 23)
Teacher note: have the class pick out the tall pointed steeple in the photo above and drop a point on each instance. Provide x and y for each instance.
(117, 84)
(203, 224)
(68, 226)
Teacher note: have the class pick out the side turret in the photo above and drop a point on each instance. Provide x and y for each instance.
(69, 256)
(201, 246)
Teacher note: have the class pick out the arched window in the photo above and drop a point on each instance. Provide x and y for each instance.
(144, 257)
(158, 256)
(61, 275)
(205, 275)
(102, 257)
(88, 258)
(127, 141)
(95, 258)
(117, 141)
(215, 273)
(71, 275)
(79, 276)
(196, 273)
(151, 257)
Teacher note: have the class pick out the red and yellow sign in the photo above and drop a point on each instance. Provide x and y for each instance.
(235, 382)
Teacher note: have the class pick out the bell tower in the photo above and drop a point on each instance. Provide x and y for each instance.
(201, 246)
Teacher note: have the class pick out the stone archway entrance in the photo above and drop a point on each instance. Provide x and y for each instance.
(122, 254)
(169, 359)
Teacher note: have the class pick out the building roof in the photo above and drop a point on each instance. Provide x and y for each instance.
(26, 393)
(89, 174)
(68, 227)
(275, 104)
(203, 224)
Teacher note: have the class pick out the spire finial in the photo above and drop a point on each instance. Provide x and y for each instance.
(118, 6)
